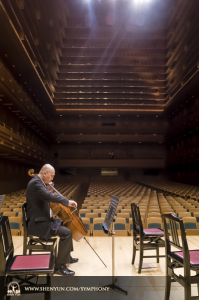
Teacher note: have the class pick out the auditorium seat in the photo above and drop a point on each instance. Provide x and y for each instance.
(91, 216)
(154, 222)
(82, 212)
(87, 224)
(183, 214)
(190, 223)
(9, 214)
(97, 229)
(99, 211)
(119, 227)
(15, 225)
(153, 215)
(196, 215)
(8, 209)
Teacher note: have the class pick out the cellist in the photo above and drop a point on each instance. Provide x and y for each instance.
(42, 225)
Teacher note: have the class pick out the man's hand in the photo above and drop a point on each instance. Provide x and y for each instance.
(72, 203)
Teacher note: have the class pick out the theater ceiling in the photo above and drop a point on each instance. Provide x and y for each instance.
(96, 56)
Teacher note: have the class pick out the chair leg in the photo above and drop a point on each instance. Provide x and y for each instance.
(134, 253)
(141, 259)
(24, 245)
(3, 287)
(187, 289)
(168, 286)
(47, 295)
(197, 272)
(157, 253)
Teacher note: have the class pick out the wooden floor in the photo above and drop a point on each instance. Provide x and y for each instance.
(150, 284)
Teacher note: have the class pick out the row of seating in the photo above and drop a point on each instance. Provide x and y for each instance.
(152, 205)
(180, 189)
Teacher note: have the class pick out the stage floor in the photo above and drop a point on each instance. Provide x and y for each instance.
(150, 284)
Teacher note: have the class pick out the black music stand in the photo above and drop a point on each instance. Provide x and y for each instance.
(108, 222)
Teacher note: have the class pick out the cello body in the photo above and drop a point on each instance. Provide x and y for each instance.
(70, 220)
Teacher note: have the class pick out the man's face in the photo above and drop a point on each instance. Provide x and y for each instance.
(48, 176)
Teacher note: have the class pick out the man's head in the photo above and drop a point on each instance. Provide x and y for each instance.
(47, 173)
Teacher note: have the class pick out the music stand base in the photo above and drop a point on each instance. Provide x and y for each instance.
(116, 288)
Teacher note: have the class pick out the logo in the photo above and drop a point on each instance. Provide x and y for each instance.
(13, 289)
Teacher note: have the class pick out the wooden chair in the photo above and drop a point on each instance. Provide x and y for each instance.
(36, 244)
(181, 257)
(19, 269)
(145, 238)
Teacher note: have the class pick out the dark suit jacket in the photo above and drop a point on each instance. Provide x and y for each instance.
(38, 208)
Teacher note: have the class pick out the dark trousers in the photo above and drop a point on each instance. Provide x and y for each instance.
(65, 246)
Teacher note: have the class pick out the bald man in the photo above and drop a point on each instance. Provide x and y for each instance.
(41, 224)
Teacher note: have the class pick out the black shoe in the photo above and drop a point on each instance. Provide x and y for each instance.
(64, 271)
(73, 260)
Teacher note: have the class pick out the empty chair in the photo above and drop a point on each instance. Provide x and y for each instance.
(99, 211)
(85, 205)
(4, 206)
(189, 222)
(5, 210)
(179, 208)
(82, 212)
(87, 224)
(13, 206)
(97, 229)
(154, 222)
(145, 239)
(124, 215)
(91, 216)
(127, 211)
(153, 214)
(119, 227)
(196, 215)
(9, 214)
(15, 225)
(179, 255)
(183, 214)
(14, 267)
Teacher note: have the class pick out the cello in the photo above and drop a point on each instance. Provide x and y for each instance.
(69, 219)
